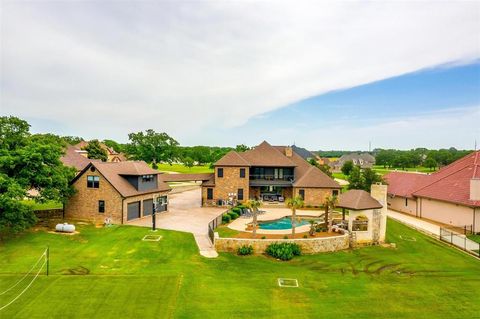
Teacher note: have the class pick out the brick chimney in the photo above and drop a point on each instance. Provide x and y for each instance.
(288, 151)
(475, 189)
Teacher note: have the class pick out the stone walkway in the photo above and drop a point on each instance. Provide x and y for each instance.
(186, 214)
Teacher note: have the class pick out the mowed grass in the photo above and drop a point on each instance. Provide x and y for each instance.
(179, 168)
(420, 169)
(43, 206)
(111, 273)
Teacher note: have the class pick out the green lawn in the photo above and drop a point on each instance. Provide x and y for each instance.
(179, 168)
(381, 170)
(43, 206)
(475, 238)
(111, 273)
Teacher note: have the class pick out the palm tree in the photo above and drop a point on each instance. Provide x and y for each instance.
(329, 203)
(294, 204)
(253, 204)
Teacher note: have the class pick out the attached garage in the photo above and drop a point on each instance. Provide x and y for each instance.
(148, 207)
(133, 210)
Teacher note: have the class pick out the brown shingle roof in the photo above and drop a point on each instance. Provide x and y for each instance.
(266, 155)
(314, 177)
(114, 172)
(357, 199)
(232, 158)
(73, 159)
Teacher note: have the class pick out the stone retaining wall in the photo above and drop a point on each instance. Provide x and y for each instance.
(308, 245)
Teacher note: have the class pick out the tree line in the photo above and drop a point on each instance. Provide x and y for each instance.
(390, 158)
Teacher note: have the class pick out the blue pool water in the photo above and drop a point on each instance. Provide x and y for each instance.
(282, 223)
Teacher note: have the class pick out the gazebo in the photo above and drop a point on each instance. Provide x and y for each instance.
(367, 215)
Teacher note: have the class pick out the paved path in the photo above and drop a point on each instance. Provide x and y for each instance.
(186, 214)
(432, 229)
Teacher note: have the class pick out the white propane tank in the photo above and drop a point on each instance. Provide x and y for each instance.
(65, 228)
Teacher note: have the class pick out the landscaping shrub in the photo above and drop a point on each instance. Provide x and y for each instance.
(305, 236)
(233, 215)
(283, 251)
(236, 210)
(241, 206)
(226, 218)
(245, 250)
(264, 237)
(285, 237)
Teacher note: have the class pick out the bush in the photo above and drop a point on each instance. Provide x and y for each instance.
(233, 215)
(236, 210)
(245, 250)
(226, 218)
(283, 251)
(241, 206)
(264, 237)
(305, 236)
(285, 237)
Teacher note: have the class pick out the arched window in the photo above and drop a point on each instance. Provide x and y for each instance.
(360, 223)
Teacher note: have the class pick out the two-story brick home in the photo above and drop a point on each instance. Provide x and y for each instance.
(121, 191)
(268, 173)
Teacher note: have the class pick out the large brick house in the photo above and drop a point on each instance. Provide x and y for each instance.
(450, 196)
(268, 173)
(121, 191)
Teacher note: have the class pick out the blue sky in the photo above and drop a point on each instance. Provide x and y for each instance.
(327, 75)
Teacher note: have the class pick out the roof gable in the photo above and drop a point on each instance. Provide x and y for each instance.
(266, 155)
(232, 158)
(357, 199)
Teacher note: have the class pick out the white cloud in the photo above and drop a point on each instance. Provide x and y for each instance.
(108, 69)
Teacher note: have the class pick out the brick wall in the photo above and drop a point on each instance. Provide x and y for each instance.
(313, 196)
(84, 204)
(229, 183)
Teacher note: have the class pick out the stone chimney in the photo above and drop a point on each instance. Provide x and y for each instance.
(379, 192)
(288, 151)
(475, 189)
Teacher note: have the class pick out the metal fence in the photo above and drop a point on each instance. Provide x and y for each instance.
(459, 238)
(212, 225)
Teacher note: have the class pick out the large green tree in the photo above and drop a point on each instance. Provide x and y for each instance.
(347, 167)
(29, 162)
(152, 147)
(96, 151)
(363, 178)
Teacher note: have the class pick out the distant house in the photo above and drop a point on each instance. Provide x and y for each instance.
(364, 160)
(113, 156)
(268, 173)
(450, 195)
(120, 191)
(76, 158)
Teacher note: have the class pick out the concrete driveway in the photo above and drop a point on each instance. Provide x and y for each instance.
(186, 214)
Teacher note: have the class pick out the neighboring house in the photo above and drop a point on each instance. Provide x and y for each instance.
(75, 158)
(121, 191)
(450, 195)
(303, 153)
(269, 173)
(113, 156)
(364, 160)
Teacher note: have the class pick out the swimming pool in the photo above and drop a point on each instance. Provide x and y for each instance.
(284, 223)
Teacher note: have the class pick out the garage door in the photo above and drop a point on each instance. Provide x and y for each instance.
(147, 207)
(133, 210)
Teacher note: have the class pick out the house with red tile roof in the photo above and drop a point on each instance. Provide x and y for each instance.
(450, 196)
(268, 173)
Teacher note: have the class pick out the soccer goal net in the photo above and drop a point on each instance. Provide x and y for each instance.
(18, 288)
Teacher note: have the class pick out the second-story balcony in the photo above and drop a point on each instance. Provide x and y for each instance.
(271, 180)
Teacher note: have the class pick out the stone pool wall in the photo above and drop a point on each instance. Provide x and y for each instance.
(308, 245)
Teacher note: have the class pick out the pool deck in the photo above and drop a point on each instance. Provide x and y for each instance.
(240, 224)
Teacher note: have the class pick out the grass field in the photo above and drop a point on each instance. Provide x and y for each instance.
(111, 273)
(43, 206)
(381, 170)
(179, 168)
